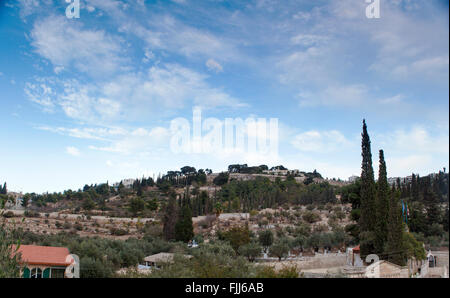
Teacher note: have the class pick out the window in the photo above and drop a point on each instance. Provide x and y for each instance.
(57, 273)
(36, 273)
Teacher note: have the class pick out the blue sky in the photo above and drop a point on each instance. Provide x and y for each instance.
(91, 100)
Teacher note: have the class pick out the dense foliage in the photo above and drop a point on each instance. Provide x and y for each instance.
(9, 259)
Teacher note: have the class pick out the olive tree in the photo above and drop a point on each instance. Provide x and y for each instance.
(9, 259)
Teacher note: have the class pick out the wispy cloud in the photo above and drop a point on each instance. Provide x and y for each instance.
(214, 65)
(65, 44)
(321, 141)
(73, 151)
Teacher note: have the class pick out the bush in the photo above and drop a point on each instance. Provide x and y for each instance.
(436, 230)
(67, 225)
(237, 237)
(251, 251)
(217, 247)
(311, 217)
(153, 230)
(30, 213)
(355, 214)
(198, 238)
(265, 239)
(320, 228)
(9, 214)
(118, 232)
(340, 215)
(289, 272)
(280, 249)
(285, 272)
(78, 226)
(221, 179)
(253, 213)
(303, 229)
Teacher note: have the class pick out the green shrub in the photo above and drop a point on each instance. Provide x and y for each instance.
(30, 213)
(118, 232)
(9, 214)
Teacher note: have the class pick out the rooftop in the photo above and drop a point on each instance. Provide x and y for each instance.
(162, 257)
(45, 255)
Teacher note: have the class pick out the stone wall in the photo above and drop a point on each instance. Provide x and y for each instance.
(317, 262)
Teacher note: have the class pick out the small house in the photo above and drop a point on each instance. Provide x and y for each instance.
(45, 262)
(156, 261)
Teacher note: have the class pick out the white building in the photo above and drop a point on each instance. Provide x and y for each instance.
(128, 183)
(393, 180)
(353, 179)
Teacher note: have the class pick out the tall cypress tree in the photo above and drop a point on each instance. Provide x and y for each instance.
(394, 249)
(382, 207)
(433, 211)
(414, 188)
(170, 218)
(4, 190)
(368, 192)
(184, 229)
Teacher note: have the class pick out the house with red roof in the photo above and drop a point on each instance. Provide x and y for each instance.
(45, 262)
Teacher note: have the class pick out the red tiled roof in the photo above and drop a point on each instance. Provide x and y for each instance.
(44, 255)
(356, 249)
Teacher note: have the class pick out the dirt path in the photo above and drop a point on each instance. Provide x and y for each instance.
(98, 218)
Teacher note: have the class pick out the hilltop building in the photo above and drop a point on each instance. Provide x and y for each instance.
(352, 179)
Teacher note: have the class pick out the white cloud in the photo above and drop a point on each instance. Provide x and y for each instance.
(168, 34)
(416, 150)
(214, 65)
(157, 93)
(340, 46)
(148, 56)
(28, 7)
(393, 99)
(69, 45)
(42, 94)
(336, 95)
(92, 133)
(170, 86)
(303, 66)
(77, 103)
(58, 69)
(73, 151)
(115, 8)
(138, 141)
(320, 141)
(417, 139)
(308, 40)
(302, 15)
